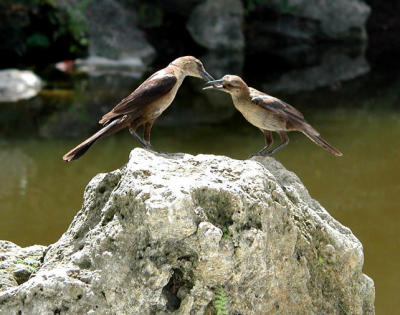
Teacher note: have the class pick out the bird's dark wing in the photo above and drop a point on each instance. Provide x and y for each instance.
(150, 90)
(294, 119)
(277, 106)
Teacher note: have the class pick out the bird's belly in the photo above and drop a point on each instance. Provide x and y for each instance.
(156, 108)
(263, 120)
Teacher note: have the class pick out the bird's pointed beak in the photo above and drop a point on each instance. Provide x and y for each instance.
(214, 84)
(206, 76)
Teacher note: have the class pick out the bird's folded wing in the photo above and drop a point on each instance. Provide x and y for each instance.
(277, 106)
(293, 117)
(149, 91)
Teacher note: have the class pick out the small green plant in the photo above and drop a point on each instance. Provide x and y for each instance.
(30, 263)
(342, 308)
(320, 260)
(225, 233)
(38, 40)
(220, 301)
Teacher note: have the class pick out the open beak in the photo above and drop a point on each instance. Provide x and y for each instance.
(214, 84)
(206, 76)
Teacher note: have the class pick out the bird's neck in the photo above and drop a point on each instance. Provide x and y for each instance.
(242, 95)
(179, 73)
(241, 99)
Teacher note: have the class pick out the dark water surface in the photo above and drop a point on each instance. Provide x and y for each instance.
(40, 194)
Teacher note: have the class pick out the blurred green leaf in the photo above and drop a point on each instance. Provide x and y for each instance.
(38, 40)
(150, 15)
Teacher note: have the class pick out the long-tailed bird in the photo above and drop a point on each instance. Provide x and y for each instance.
(268, 114)
(145, 104)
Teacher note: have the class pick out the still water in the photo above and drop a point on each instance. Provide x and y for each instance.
(40, 194)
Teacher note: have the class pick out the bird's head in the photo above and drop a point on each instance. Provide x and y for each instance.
(192, 66)
(231, 84)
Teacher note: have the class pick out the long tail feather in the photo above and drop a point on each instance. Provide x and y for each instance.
(321, 142)
(80, 149)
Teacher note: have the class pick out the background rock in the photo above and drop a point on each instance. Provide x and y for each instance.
(112, 32)
(222, 63)
(332, 67)
(341, 19)
(18, 85)
(217, 25)
(164, 233)
(299, 29)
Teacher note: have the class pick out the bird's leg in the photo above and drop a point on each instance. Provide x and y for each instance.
(132, 130)
(268, 142)
(285, 140)
(146, 134)
(133, 133)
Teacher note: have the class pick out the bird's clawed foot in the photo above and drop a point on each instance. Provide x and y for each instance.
(149, 148)
(263, 152)
(260, 153)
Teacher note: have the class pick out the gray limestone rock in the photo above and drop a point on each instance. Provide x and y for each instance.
(221, 63)
(164, 233)
(339, 19)
(18, 264)
(114, 39)
(333, 67)
(217, 25)
(18, 85)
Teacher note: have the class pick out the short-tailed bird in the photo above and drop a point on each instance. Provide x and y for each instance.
(145, 104)
(268, 114)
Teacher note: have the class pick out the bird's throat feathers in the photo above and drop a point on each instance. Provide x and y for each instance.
(242, 94)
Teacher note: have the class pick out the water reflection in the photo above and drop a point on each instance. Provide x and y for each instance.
(16, 169)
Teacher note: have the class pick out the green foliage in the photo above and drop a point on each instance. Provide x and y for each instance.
(30, 263)
(342, 308)
(78, 28)
(82, 5)
(252, 5)
(150, 15)
(320, 260)
(46, 2)
(31, 26)
(38, 40)
(220, 301)
(225, 233)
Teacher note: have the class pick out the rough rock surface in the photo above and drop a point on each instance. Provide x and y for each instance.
(333, 67)
(222, 63)
(216, 25)
(18, 264)
(161, 234)
(18, 85)
(112, 31)
(339, 19)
